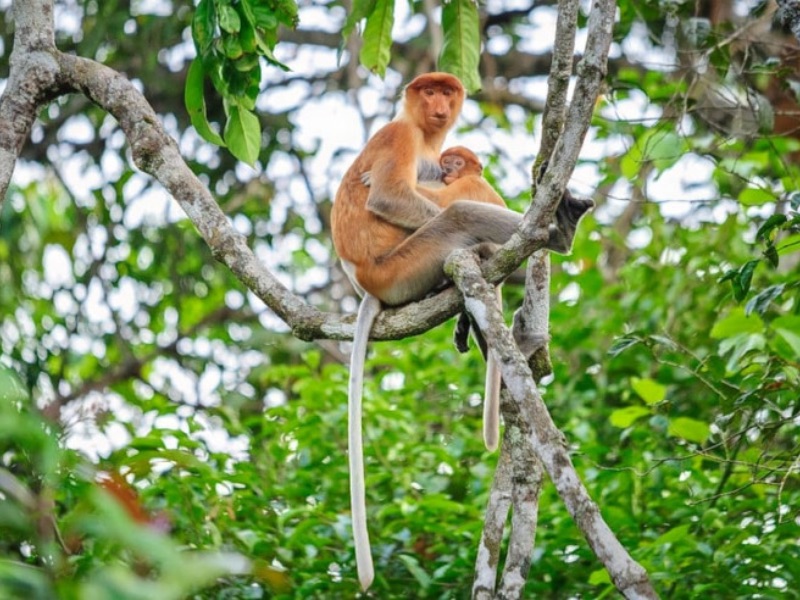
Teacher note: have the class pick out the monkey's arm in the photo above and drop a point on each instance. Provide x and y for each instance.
(393, 179)
(468, 187)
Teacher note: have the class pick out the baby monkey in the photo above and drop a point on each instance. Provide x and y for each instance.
(462, 175)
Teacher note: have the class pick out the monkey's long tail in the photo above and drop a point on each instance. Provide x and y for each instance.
(369, 309)
(491, 394)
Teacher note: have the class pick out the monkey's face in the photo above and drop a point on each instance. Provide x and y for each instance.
(452, 164)
(438, 105)
(435, 99)
(459, 161)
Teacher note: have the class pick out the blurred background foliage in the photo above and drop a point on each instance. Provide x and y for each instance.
(162, 435)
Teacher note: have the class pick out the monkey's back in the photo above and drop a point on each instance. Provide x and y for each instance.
(360, 236)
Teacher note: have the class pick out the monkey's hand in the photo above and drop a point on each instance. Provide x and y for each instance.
(366, 178)
(568, 214)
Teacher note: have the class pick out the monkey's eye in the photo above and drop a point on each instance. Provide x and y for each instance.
(447, 92)
(429, 91)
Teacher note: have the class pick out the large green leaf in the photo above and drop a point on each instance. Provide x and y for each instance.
(196, 104)
(243, 134)
(649, 390)
(375, 52)
(462, 42)
(360, 10)
(689, 429)
(625, 417)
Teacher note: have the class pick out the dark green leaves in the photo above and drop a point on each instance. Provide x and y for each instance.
(196, 104)
(740, 279)
(231, 36)
(460, 52)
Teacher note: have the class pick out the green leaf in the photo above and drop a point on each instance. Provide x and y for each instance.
(196, 104)
(771, 254)
(12, 391)
(739, 346)
(625, 417)
(649, 390)
(769, 225)
(676, 534)
(744, 278)
(243, 134)
(375, 52)
(756, 196)
(734, 323)
(229, 19)
(622, 344)
(361, 10)
(412, 564)
(460, 53)
(788, 328)
(691, 430)
(203, 27)
(599, 577)
(761, 301)
(232, 47)
(662, 147)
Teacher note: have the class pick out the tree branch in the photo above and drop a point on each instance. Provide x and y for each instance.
(40, 73)
(535, 423)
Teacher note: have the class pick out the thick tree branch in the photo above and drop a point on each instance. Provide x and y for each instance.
(535, 423)
(40, 73)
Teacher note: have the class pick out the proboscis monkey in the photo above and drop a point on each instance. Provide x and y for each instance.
(462, 176)
(393, 241)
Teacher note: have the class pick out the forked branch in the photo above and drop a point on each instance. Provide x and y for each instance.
(535, 423)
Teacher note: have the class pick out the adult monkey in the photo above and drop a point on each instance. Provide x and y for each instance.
(393, 241)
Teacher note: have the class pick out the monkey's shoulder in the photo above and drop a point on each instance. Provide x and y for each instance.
(395, 135)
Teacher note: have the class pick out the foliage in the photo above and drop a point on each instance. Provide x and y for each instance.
(162, 435)
(230, 36)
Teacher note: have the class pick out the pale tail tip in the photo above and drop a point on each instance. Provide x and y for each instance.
(365, 579)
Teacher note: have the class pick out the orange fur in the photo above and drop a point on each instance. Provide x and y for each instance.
(463, 177)
(363, 233)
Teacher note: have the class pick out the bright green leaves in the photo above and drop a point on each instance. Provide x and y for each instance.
(196, 104)
(787, 336)
(460, 52)
(688, 429)
(11, 389)
(229, 19)
(753, 196)
(375, 52)
(462, 42)
(649, 390)
(243, 134)
(775, 245)
(625, 417)
(231, 36)
(740, 279)
(654, 393)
